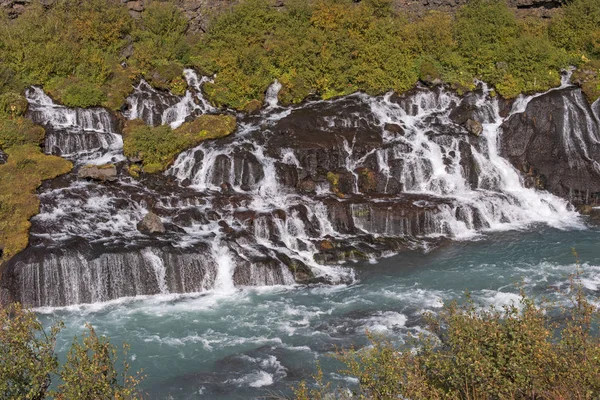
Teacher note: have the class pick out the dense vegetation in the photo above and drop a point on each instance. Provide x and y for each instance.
(521, 351)
(76, 50)
(29, 365)
(89, 52)
(157, 147)
(332, 48)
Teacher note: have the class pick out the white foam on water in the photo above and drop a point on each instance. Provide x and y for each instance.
(387, 321)
(85, 135)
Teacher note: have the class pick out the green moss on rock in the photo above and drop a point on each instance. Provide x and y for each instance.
(16, 131)
(588, 77)
(24, 171)
(158, 147)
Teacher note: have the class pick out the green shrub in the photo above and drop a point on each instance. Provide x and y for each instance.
(76, 43)
(160, 45)
(578, 28)
(18, 131)
(517, 352)
(588, 77)
(29, 364)
(13, 104)
(74, 92)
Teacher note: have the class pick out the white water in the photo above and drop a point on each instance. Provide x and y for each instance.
(87, 135)
(262, 220)
(158, 108)
(271, 100)
(433, 166)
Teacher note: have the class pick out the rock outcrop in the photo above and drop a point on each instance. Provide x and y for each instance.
(107, 172)
(556, 144)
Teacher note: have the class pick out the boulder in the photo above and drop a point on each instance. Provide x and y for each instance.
(151, 224)
(394, 128)
(475, 128)
(107, 172)
(307, 185)
(466, 110)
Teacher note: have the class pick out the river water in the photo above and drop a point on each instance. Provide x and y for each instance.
(247, 343)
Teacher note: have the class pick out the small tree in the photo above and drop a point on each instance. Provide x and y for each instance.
(90, 372)
(27, 358)
(28, 362)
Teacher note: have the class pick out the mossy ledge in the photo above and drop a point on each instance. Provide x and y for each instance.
(157, 147)
(22, 174)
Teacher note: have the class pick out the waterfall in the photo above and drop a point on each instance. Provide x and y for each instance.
(224, 280)
(577, 137)
(433, 164)
(86, 135)
(295, 192)
(159, 108)
(271, 99)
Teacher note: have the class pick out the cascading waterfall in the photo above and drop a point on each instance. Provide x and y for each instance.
(498, 200)
(294, 192)
(158, 108)
(77, 133)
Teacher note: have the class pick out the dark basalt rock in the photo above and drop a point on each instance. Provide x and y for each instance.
(555, 143)
(320, 136)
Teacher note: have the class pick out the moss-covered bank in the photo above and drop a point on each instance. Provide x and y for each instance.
(24, 171)
(157, 147)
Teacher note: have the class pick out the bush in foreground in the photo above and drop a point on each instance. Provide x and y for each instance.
(29, 365)
(521, 351)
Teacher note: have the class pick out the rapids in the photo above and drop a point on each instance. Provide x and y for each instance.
(253, 342)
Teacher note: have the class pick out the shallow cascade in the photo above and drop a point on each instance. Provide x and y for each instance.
(86, 135)
(292, 194)
(156, 107)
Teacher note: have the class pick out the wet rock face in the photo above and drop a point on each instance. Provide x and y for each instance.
(556, 145)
